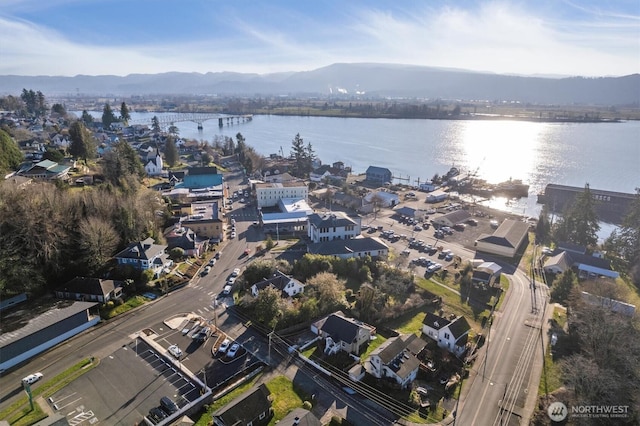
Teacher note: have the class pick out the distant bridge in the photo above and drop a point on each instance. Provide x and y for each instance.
(198, 118)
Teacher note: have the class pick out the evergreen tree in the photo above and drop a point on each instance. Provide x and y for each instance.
(579, 223)
(10, 154)
(623, 246)
(59, 109)
(562, 287)
(155, 125)
(124, 114)
(82, 143)
(108, 116)
(171, 152)
(299, 155)
(87, 118)
(120, 163)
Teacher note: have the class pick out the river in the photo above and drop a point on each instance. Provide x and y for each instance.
(605, 155)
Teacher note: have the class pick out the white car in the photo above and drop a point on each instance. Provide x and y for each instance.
(175, 351)
(233, 350)
(212, 262)
(233, 234)
(31, 378)
(227, 289)
(231, 281)
(235, 272)
(233, 221)
(224, 346)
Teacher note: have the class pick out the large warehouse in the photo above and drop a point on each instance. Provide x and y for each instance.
(506, 240)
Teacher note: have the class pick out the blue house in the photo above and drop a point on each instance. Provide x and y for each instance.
(379, 175)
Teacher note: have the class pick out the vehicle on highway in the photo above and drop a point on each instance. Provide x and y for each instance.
(175, 351)
(349, 390)
(235, 272)
(168, 405)
(224, 346)
(32, 378)
(233, 350)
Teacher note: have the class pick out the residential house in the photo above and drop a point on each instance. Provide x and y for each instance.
(342, 333)
(378, 175)
(252, 408)
(585, 265)
(145, 255)
(397, 359)
(299, 417)
(90, 290)
(506, 240)
(280, 178)
(332, 226)
(353, 247)
(450, 335)
(154, 164)
(428, 186)
(185, 238)
(287, 285)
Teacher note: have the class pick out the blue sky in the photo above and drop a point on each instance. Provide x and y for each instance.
(120, 37)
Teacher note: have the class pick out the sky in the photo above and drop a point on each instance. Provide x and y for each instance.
(121, 37)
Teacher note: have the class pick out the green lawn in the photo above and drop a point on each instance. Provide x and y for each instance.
(551, 376)
(131, 303)
(373, 345)
(285, 398)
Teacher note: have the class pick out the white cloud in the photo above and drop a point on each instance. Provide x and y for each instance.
(496, 36)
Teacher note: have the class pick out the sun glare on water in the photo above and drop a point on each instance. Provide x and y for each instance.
(501, 150)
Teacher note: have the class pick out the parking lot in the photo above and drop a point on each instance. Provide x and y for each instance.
(124, 387)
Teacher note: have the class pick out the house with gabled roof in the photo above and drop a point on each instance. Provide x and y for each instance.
(289, 286)
(185, 238)
(506, 240)
(299, 417)
(353, 247)
(450, 335)
(451, 218)
(332, 226)
(154, 164)
(378, 175)
(342, 333)
(90, 290)
(397, 359)
(584, 265)
(145, 255)
(252, 408)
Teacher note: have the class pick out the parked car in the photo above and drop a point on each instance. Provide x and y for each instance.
(32, 378)
(417, 228)
(233, 221)
(459, 226)
(233, 350)
(212, 262)
(472, 222)
(156, 415)
(227, 289)
(231, 280)
(203, 334)
(168, 405)
(206, 270)
(175, 351)
(235, 272)
(233, 234)
(224, 346)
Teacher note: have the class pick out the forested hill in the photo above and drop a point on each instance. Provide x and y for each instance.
(361, 79)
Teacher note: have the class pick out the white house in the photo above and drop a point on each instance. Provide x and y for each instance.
(397, 359)
(437, 196)
(353, 247)
(332, 226)
(428, 186)
(154, 165)
(584, 264)
(268, 194)
(450, 335)
(287, 285)
(145, 255)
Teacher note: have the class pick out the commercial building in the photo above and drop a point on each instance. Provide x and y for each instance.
(268, 194)
(332, 226)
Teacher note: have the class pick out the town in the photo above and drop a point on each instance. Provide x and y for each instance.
(151, 279)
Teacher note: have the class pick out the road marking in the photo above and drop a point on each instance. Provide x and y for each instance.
(81, 418)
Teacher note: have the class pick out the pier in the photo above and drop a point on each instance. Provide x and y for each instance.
(198, 118)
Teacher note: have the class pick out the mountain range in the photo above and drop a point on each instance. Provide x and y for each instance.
(357, 79)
